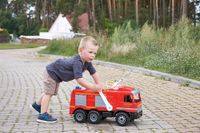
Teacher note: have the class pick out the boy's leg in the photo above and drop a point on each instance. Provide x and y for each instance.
(39, 99)
(37, 104)
(50, 89)
(45, 103)
(44, 116)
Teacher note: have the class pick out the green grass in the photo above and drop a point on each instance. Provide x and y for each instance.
(62, 47)
(17, 46)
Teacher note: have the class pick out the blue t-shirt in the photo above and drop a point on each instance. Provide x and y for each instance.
(67, 69)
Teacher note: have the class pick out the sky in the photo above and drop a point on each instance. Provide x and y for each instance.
(9, 1)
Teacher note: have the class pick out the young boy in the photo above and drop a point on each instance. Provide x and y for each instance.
(65, 70)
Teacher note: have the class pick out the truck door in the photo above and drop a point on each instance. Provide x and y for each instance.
(125, 101)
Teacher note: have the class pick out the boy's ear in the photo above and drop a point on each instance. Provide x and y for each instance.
(80, 50)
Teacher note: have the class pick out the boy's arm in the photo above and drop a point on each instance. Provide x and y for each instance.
(97, 80)
(88, 85)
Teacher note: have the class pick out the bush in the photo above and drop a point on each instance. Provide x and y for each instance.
(4, 36)
(178, 51)
(43, 30)
(177, 61)
(63, 47)
(123, 40)
(109, 26)
(148, 41)
(174, 50)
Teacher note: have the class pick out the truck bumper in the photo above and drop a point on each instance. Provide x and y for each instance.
(136, 115)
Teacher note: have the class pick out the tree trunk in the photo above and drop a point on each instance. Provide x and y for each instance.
(137, 12)
(173, 12)
(114, 9)
(194, 19)
(93, 16)
(102, 6)
(154, 12)
(119, 9)
(90, 17)
(150, 10)
(44, 13)
(179, 8)
(164, 12)
(38, 11)
(125, 7)
(157, 14)
(48, 14)
(110, 9)
(185, 8)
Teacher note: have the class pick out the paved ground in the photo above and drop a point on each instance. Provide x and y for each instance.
(167, 106)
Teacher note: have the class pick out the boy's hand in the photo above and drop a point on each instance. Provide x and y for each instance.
(99, 87)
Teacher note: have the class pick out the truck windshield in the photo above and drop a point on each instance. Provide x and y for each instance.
(128, 98)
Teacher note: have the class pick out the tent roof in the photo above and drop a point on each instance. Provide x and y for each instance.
(61, 25)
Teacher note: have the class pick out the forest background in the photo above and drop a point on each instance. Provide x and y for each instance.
(161, 35)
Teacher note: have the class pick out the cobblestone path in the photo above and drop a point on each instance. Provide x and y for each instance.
(167, 106)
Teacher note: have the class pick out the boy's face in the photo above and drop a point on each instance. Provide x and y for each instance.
(88, 53)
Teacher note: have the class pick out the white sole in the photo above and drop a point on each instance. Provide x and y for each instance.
(42, 121)
(31, 107)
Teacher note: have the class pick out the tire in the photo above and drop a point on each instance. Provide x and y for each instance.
(94, 117)
(122, 119)
(80, 116)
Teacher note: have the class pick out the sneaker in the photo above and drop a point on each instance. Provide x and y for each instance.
(46, 118)
(36, 107)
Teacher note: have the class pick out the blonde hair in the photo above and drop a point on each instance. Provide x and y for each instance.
(84, 40)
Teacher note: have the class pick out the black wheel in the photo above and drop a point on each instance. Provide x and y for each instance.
(122, 119)
(80, 116)
(94, 117)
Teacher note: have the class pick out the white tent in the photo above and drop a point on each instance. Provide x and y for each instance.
(61, 25)
(61, 29)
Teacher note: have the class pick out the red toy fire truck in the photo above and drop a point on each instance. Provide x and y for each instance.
(125, 102)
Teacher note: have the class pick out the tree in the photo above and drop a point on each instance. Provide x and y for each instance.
(157, 14)
(3, 4)
(93, 16)
(24, 21)
(173, 11)
(38, 8)
(185, 7)
(114, 9)
(150, 9)
(164, 12)
(103, 14)
(7, 21)
(137, 12)
(110, 10)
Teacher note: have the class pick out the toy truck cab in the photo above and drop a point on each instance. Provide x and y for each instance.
(88, 105)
